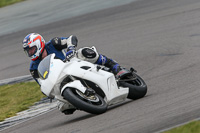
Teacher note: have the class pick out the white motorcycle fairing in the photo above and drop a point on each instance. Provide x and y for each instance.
(58, 70)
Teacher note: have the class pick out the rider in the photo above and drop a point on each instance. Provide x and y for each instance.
(64, 47)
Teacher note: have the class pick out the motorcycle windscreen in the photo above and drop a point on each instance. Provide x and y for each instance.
(43, 68)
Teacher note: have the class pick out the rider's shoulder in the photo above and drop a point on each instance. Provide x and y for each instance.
(48, 43)
(34, 64)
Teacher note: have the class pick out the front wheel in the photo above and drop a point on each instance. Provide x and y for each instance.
(94, 104)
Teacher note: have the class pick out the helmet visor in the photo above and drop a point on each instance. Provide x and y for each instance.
(30, 51)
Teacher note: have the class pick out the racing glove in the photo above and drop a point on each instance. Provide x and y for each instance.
(71, 51)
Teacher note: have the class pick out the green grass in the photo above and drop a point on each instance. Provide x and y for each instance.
(18, 97)
(192, 127)
(8, 2)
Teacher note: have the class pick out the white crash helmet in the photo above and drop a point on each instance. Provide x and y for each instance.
(33, 45)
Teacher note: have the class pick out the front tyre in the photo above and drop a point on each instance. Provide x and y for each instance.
(94, 104)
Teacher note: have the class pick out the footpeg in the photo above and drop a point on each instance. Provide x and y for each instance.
(133, 70)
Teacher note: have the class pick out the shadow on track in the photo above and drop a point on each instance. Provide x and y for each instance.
(60, 124)
(70, 119)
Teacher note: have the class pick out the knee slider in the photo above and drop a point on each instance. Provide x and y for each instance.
(88, 54)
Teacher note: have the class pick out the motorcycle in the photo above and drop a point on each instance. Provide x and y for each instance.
(86, 86)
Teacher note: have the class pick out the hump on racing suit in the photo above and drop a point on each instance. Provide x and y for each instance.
(57, 45)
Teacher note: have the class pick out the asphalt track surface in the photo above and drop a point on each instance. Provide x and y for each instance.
(159, 38)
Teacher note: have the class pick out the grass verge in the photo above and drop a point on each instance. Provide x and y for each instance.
(192, 127)
(8, 2)
(18, 97)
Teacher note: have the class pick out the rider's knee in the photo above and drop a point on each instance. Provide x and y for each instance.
(88, 54)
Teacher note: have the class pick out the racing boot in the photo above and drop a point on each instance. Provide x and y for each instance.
(117, 70)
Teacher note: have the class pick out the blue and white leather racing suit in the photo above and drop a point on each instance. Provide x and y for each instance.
(62, 47)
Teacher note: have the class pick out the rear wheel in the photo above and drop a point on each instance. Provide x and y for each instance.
(137, 87)
(94, 103)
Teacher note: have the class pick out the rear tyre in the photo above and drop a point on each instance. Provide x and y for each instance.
(94, 104)
(137, 88)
